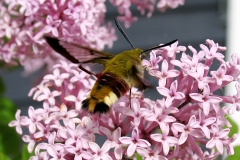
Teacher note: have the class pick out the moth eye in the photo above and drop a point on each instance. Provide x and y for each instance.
(142, 56)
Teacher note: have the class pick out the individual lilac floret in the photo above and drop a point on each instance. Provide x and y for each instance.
(186, 117)
(133, 142)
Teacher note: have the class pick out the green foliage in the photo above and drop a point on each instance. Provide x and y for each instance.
(138, 156)
(234, 128)
(236, 155)
(2, 87)
(3, 156)
(10, 140)
(25, 154)
(7, 110)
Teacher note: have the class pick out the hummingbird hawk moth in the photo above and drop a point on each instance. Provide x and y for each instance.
(119, 72)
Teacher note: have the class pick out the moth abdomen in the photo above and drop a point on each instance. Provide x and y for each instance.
(93, 105)
(106, 91)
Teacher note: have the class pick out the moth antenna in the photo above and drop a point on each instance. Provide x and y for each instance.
(123, 33)
(164, 45)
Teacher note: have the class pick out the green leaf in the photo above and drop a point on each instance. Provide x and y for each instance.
(234, 128)
(10, 142)
(3, 156)
(7, 110)
(2, 87)
(138, 156)
(25, 154)
(236, 155)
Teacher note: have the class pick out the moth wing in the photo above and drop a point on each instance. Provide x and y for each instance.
(95, 68)
(140, 83)
(82, 55)
(143, 83)
(85, 54)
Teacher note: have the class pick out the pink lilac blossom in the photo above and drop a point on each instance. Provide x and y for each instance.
(24, 23)
(185, 117)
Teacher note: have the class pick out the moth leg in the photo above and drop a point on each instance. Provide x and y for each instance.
(87, 71)
(130, 93)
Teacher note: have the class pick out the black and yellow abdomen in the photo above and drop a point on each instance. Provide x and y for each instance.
(105, 92)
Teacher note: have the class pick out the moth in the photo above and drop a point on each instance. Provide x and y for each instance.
(119, 72)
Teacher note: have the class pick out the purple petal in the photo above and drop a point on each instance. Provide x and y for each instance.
(206, 108)
(86, 155)
(94, 147)
(71, 149)
(172, 73)
(106, 147)
(169, 119)
(192, 120)
(206, 131)
(25, 121)
(51, 138)
(146, 63)
(172, 140)
(71, 98)
(135, 133)
(32, 128)
(219, 146)
(179, 95)
(52, 151)
(117, 133)
(13, 123)
(179, 127)
(106, 156)
(118, 152)
(183, 138)
(164, 66)
(162, 82)
(156, 137)
(223, 133)
(151, 117)
(196, 96)
(49, 19)
(135, 106)
(163, 91)
(142, 152)
(211, 143)
(227, 78)
(131, 149)
(41, 97)
(165, 148)
(209, 121)
(55, 32)
(213, 99)
(215, 129)
(105, 131)
(72, 113)
(143, 143)
(31, 146)
(70, 141)
(49, 77)
(125, 140)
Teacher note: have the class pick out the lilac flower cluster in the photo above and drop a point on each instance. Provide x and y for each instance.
(24, 23)
(188, 117)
